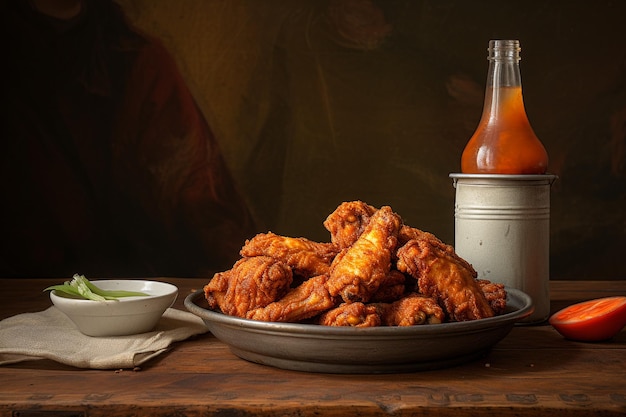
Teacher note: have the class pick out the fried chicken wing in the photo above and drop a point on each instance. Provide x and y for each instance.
(251, 283)
(351, 218)
(306, 257)
(302, 302)
(348, 221)
(412, 309)
(358, 271)
(443, 276)
(495, 295)
(354, 314)
(392, 287)
(407, 233)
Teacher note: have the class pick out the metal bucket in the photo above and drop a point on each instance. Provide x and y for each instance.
(502, 227)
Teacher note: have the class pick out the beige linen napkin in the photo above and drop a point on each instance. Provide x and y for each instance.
(50, 334)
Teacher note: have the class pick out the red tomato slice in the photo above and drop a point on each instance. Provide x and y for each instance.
(592, 320)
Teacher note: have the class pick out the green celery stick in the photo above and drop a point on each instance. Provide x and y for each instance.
(82, 287)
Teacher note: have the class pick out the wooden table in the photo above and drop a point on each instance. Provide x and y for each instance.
(533, 371)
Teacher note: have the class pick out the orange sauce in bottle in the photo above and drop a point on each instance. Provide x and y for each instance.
(504, 141)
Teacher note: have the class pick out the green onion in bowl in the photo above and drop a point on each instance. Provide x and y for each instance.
(80, 286)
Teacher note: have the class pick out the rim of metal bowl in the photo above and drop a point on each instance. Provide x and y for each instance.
(522, 309)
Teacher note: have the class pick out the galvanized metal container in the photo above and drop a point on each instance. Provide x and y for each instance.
(502, 227)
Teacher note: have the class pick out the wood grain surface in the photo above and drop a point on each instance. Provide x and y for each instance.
(533, 371)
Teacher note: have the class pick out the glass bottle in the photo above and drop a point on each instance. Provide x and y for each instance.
(504, 141)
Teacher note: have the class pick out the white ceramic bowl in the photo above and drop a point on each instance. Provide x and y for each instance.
(128, 315)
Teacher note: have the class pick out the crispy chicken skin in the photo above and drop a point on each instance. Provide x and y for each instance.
(251, 283)
(391, 288)
(442, 276)
(306, 257)
(302, 302)
(495, 295)
(407, 233)
(354, 314)
(348, 221)
(358, 271)
(411, 310)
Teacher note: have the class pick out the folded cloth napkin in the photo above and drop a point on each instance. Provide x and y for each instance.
(50, 334)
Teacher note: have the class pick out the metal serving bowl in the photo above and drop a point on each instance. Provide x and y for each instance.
(315, 348)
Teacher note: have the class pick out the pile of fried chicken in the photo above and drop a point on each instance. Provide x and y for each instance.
(376, 271)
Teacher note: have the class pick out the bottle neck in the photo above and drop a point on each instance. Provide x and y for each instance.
(504, 81)
(504, 57)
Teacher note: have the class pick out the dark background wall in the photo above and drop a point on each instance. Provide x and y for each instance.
(319, 102)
